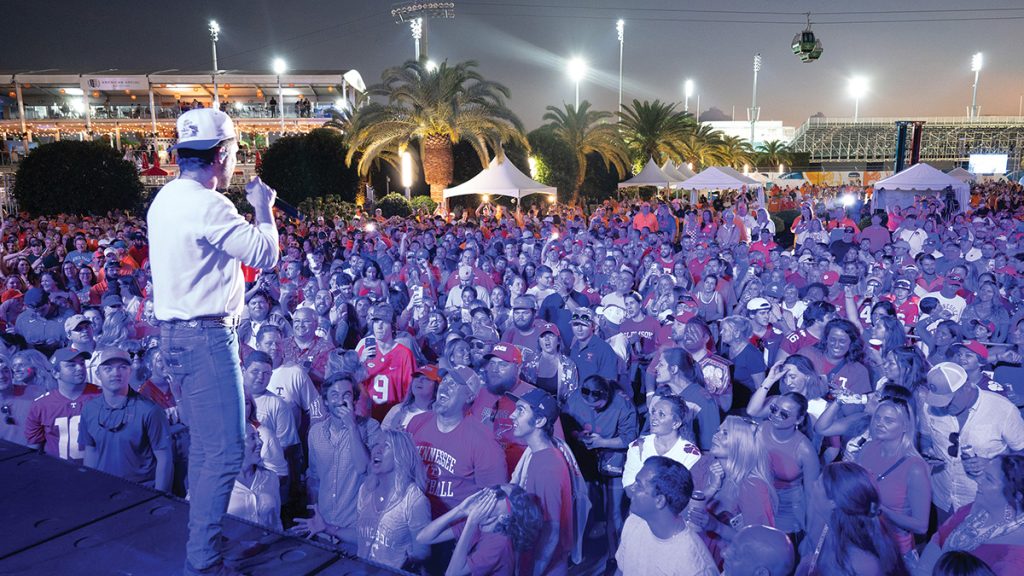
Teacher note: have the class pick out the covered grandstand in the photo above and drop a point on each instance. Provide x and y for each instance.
(838, 144)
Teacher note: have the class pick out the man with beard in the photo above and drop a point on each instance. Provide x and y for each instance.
(122, 433)
(492, 407)
(524, 333)
(559, 307)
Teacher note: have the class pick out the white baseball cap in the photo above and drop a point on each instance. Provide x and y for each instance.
(943, 382)
(203, 128)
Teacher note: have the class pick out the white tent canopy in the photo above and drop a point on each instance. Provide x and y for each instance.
(651, 175)
(673, 172)
(685, 171)
(962, 175)
(918, 180)
(722, 178)
(500, 178)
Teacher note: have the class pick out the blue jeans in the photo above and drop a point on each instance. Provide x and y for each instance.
(204, 361)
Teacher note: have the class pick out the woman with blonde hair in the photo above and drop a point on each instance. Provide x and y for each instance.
(740, 493)
(32, 368)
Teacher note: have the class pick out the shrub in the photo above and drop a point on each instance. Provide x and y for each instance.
(424, 204)
(327, 206)
(395, 204)
(310, 165)
(76, 178)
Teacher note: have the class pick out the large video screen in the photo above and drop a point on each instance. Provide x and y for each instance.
(987, 164)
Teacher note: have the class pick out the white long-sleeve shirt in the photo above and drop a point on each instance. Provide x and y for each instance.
(198, 241)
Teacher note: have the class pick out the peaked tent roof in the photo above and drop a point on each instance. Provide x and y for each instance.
(672, 172)
(500, 178)
(961, 175)
(920, 177)
(651, 175)
(685, 170)
(719, 178)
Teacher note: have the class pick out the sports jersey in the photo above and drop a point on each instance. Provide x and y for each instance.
(389, 378)
(458, 462)
(53, 421)
(645, 331)
(794, 341)
(495, 413)
(850, 376)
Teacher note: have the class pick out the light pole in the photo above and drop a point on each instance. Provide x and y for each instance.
(407, 173)
(857, 87)
(214, 32)
(280, 67)
(620, 27)
(976, 62)
(687, 93)
(754, 111)
(577, 70)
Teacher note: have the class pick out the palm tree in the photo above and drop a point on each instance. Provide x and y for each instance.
(438, 107)
(736, 151)
(347, 122)
(587, 131)
(774, 153)
(702, 147)
(655, 130)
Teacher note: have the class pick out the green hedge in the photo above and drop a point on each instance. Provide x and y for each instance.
(395, 204)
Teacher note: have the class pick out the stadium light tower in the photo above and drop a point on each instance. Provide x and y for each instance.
(280, 67)
(687, 93)
(577, 71)
(754, 110)
(976, 62)
(417, 14)
(214, 34)
(857, 88)
(620, 27)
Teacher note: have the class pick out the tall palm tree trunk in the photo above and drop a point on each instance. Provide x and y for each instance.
(437, 164)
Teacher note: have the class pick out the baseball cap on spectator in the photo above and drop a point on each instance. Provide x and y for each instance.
(8, 294)
(524, 303)
(990, 326)
(542, 403)
(465, 376)
(119, 244)
(109, 250)
(612, 313)
(430, 372)
(382, 312)
(73, 322)
(829, 278)
(69, 354)
(111, 353)
(902, 283)
(943, 382)
(978, 348)
(773, 290)
(549, 327)
(583, 316)
(203, 128)
(911, 267)
(954, 279)
(505, 351)
(36, 297)
(112, 300)
(758, 304)
(806, 259)
(901, 244)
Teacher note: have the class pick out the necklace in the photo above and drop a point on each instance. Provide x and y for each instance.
(976, 530)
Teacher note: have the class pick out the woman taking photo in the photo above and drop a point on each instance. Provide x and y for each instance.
(900, 473)
(741, 493)
(992, 528)
(550, 370)
(853, 542)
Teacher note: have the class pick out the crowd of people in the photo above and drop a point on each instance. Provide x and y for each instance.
(652, 387)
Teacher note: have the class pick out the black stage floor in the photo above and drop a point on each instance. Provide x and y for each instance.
(60, 519)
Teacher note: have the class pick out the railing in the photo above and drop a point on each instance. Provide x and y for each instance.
(139, 112)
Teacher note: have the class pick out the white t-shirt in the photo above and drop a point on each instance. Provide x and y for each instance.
(641, 553)
(954, 305)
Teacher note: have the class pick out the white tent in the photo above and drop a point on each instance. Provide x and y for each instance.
(685, 171)
(672, 172)
(500, 178)
(722, 178)
(962, 175)
(651, 175)
(918, 180)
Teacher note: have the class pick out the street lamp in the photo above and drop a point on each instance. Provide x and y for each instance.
(687, 93)
(214, 32)
(280, 67)
(577, 70)
(620, 27)
(976, 62)
(857, 88)
(431, 66)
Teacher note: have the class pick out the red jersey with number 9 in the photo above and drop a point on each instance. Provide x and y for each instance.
(389, 380)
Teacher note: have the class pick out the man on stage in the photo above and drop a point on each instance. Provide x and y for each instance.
(198, 242)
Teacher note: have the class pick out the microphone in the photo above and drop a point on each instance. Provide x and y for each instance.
(288, 209)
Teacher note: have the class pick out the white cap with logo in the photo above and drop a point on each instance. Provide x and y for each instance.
(203, 128)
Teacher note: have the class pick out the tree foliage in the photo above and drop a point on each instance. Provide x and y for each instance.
(310, 165)
(395, 204)
(556, 163)
(76, 178)
(584, 132)
(655, 130)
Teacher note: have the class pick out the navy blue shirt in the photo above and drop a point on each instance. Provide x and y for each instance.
(596, 357)
(126, 438)
(553, 310)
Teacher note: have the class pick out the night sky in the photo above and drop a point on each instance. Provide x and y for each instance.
(917, 68)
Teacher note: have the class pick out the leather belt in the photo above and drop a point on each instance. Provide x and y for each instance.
(206, 322)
